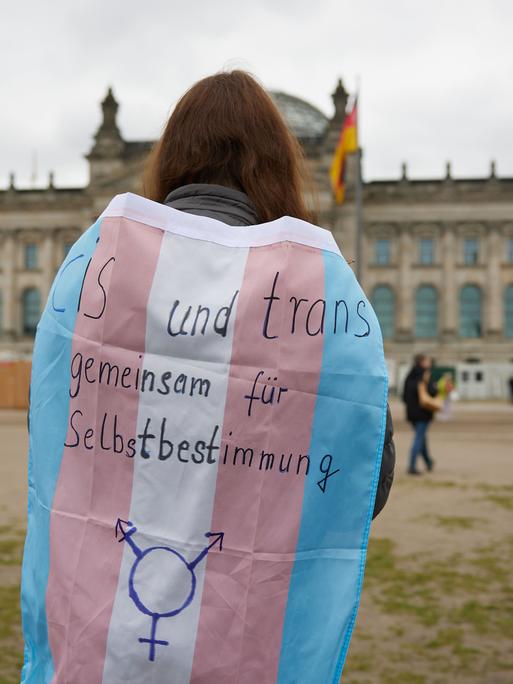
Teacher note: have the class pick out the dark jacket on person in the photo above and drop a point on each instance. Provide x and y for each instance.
(234, 207)
(415, 413)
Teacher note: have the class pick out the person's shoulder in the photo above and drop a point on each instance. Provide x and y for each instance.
(411, 375)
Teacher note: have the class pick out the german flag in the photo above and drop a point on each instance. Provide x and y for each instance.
(347, 143)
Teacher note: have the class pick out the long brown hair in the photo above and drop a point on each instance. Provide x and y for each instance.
(226, 129)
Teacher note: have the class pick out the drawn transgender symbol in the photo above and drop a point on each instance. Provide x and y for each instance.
(150, 566)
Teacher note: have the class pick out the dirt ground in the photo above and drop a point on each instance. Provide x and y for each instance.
(437, 603)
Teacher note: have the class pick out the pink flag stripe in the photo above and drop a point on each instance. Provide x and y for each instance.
(95, 481)
(246, 586)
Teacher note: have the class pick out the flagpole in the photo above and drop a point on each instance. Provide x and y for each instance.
(358, 195)
(359, 215)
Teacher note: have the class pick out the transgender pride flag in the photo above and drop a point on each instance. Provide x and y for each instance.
(206, 424)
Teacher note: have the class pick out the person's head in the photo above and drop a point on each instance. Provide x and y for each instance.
(227, 130)
(422, 361)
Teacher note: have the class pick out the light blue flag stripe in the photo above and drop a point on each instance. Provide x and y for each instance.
(48, 420)
(349, 424)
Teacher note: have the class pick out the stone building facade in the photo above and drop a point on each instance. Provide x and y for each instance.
(436, 257)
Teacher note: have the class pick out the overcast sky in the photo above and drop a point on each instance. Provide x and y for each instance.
(436, 77)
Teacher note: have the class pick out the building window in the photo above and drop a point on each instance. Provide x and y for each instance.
(510, 250)
(31, 310)
(383, 302)
(30, 256)
(508, 311)
(382, 252)
(426, 251)
(470, 311)
(426, 312)
(471, 251)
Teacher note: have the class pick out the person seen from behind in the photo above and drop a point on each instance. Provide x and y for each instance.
(227, 153)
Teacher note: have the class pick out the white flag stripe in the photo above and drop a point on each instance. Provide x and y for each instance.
(172, 500)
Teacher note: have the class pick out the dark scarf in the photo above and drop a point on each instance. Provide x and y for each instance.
(216, 201)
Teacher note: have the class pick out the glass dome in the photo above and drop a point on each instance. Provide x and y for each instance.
(306, 121)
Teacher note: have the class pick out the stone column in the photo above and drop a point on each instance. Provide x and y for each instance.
(405, 294)
(448, 292)
(493, 295)
(10, 322)
(47, 265)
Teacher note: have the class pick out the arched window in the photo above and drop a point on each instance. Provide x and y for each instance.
(508, 311)
(470, 311)
(31, 310)
(426, 312)
(383, 302)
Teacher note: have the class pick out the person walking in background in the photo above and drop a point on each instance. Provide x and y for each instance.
(420, 397)
(445, 388)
